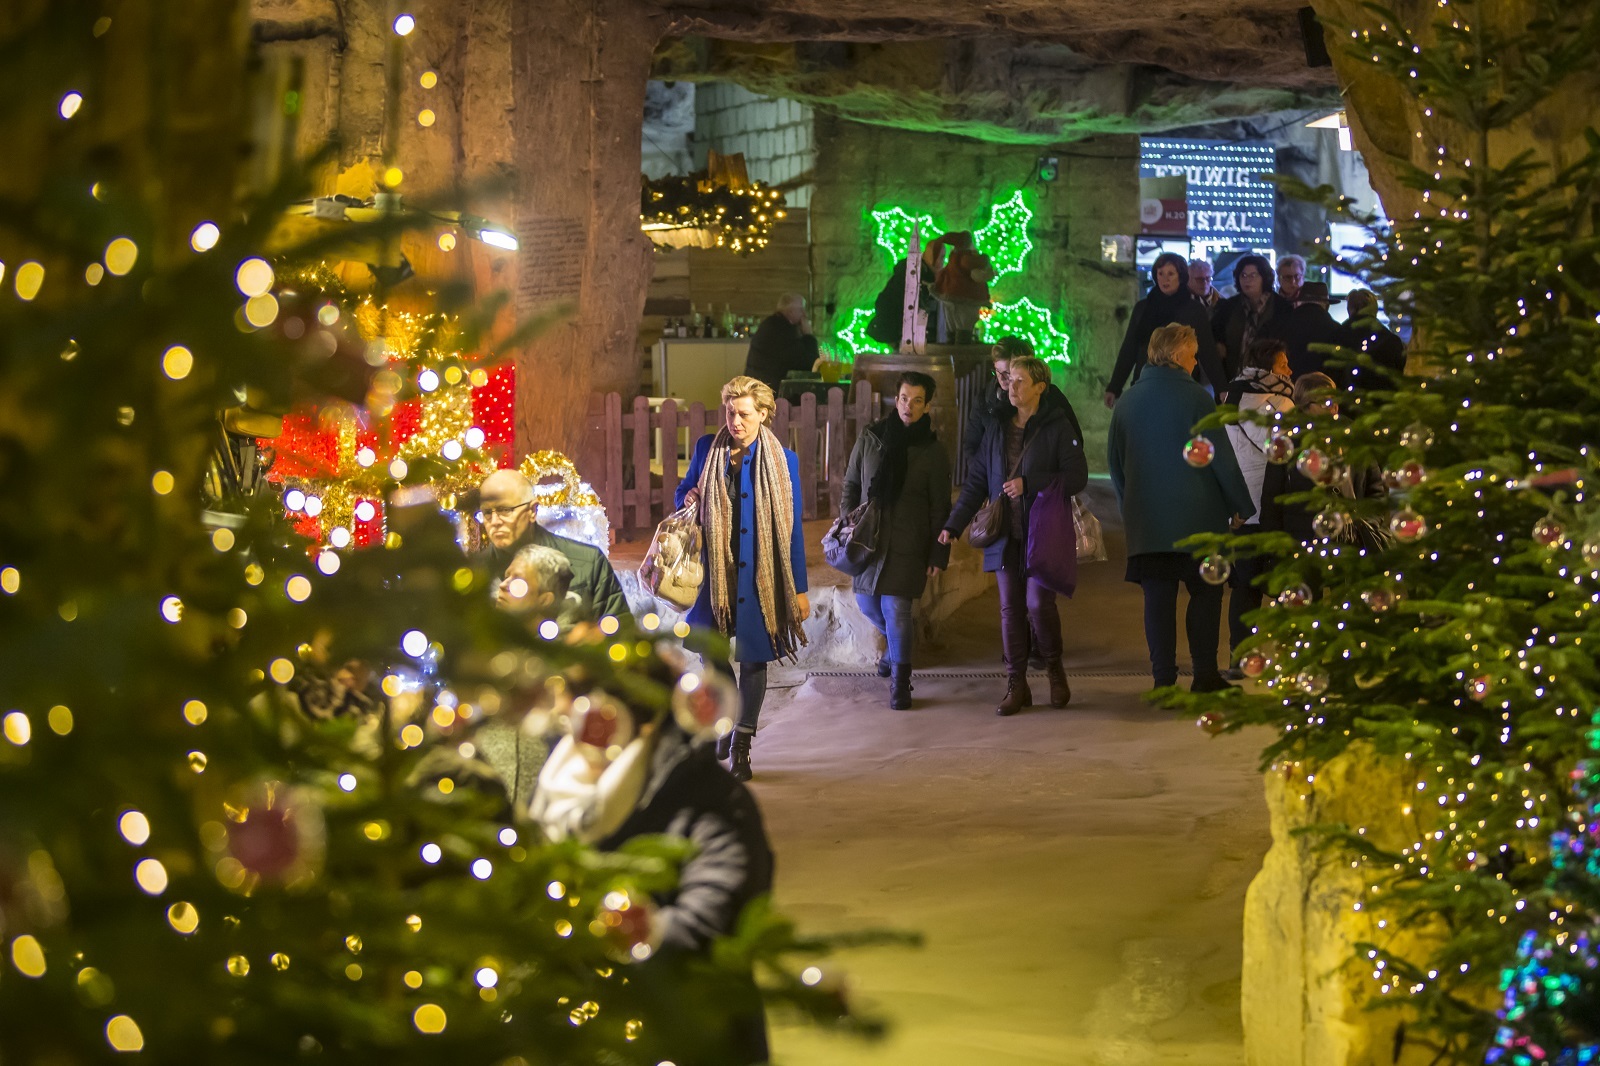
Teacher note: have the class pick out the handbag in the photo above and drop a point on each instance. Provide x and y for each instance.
(1050, 529)
(1091, 538)
(672, 569)
(851, 542)
(992, 523)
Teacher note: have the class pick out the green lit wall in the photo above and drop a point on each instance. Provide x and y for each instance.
(872, 182)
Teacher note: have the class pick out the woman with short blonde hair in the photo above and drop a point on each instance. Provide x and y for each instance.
(747, 487)
(1169, 343)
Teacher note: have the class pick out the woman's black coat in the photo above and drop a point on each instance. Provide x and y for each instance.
(1053, 455)
(911, 527)
(1227, 327)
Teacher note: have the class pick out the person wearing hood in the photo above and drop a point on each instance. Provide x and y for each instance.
(1262, 387)
(900, 463)
(617, 775)
(1170, 300)
(1036, 443)
(1252, 312)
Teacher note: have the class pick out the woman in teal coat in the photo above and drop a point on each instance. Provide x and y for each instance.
(746, 485)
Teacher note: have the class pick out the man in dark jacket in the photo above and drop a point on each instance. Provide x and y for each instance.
(1382, 344)
(783, 342)
(987, 410)
(1307, 327)
(508, 512)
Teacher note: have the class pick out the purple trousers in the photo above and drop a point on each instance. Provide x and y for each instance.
(1022, 602)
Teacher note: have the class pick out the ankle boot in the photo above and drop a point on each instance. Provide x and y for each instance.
(725, 745)
(1017, 696)
(741, 756)
(884, 665)
(900, 692)
(1060, 690)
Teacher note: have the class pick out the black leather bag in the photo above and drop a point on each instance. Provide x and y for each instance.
(851, 543)
(992, 523)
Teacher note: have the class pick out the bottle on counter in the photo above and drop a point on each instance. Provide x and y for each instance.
(696, 321)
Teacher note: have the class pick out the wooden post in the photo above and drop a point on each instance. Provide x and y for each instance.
(838, 451)
(669, 455)
(806, 450)
(611, 482)
(643, 440)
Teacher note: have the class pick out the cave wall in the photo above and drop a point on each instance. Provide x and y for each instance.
(955, 180)
(775, 136)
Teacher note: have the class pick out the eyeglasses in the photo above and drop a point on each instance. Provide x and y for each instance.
(490, 514)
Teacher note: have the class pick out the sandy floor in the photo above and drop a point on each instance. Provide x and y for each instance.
(1078, 875)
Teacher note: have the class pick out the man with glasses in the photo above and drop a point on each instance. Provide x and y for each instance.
(508, 516)
(988, 410)
(1200, 274)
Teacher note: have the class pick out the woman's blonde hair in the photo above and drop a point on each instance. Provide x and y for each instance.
(758, 391)
(1169, 340)
(1037, 369)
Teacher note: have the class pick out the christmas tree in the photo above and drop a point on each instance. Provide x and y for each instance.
(193, 863)
(1450, 628)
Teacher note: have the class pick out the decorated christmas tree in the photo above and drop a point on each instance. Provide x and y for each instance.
(1450, 629)
(239, 813)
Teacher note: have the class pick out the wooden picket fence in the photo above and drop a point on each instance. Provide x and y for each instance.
(636, 455)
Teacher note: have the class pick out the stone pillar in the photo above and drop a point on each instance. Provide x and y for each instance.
(578, 84)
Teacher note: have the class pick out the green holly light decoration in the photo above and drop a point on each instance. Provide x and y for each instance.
(1026, 319)
(892, 230)
(1004, 238)
(853, 333)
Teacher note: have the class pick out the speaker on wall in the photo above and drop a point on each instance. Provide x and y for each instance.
(1311, 36)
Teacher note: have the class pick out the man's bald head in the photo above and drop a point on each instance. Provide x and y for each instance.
(505, 502)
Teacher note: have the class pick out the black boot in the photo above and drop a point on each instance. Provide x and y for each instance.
(900, 692)
(883, 665)
(725, 746)
(1018, 696)
(741, 756)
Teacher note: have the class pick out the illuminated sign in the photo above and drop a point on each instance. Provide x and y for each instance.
(1229, 205)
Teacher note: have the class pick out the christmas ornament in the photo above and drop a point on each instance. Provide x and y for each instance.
(1212, 722)
(1294, 596)
(1280, 448)
(1329, 523)
(276, 835)
(1199, 452)
(1215, 569)
(627, 922)
(1478, 688)
(1408, 475)
(1407, 525)
(1549, 532)
(1253, 664)
(597, 721)
(1591, 552)
(1379, 599)
(1312, 682)
(1417, 437)
(703, 703)
(1315, 465)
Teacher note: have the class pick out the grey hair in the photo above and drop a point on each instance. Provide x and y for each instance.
(1315, 381)
(1201, 263)
(548, 570)
(791, 299)
(1292, 259)
(1167, 341)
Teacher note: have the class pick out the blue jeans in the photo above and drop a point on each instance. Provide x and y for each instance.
(891, 616)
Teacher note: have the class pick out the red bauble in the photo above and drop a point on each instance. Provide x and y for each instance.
(1211, 722)
(1408, 475)
(1315, 464)
(266, 842)
(1253, 665)
(1199, 452)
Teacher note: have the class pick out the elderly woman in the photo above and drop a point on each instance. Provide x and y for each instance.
(1170, 300)
(1035, 443)
(1318, 394)
(747, 487)
(1262, 387)
(900, 463)
(1164, 499)
(1242, 318)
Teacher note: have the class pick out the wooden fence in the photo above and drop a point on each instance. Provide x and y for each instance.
(635, 456)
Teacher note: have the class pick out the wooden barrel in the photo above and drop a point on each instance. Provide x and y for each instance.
(884, 370)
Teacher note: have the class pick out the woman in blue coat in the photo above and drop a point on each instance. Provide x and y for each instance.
(746, 485)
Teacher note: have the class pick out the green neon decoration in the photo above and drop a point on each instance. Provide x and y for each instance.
(1004, 238)
(893, 230)
(853, 333)
(1026, 319)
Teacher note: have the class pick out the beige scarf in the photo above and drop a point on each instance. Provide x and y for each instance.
(774, 521)
(574, 800)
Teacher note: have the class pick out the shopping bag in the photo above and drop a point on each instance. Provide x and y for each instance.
(673, 569)
(1050, 561)
(1091, 539)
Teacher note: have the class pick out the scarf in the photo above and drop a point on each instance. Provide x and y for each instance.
(1253, 320)
(773, 505)
(572, 802)
(897, 439)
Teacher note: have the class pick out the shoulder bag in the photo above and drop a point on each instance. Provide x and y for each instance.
(992, 523)
(851, 542)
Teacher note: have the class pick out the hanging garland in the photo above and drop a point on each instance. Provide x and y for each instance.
(683, 211)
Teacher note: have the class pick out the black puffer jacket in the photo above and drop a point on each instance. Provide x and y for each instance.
(1053, 453)
(690, 796)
